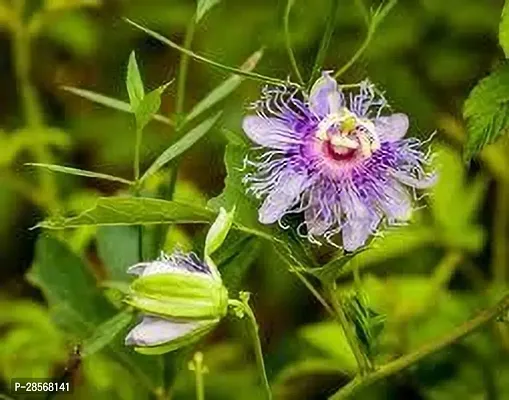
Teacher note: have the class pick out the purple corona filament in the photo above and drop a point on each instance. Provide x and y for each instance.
(335, 158)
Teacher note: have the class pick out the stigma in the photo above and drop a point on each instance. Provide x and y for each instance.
(345, 133)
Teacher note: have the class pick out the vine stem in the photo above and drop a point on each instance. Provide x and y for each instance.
(359, 383)
(347, 329)
(243, 306)
(358, 53)
(324, 44)
(313, 291)
(288, 42)
(184, 67)
(137, 149)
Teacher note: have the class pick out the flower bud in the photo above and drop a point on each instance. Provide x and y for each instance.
(182, 299)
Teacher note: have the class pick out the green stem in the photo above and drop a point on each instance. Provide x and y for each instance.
(21, 56)
(254, 333)
(313, 291)
(356, 56)
(184, 67)
(373, 23)
(288, 42)
(324, 45)
(200, 58)
(359, 383)
(21, 49)
(445, 270)
(137, 150)
(347, 329)
(199, 371)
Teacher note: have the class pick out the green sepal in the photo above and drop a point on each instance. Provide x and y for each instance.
(180, 295)
(182, 341)
(219, 230)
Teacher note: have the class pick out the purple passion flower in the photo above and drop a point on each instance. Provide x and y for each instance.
(181, 301)
(333, 156)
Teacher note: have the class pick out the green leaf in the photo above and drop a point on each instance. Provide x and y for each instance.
(235, 259)
(134, 82)
(202, 59)
(132, 211)
(309, 379)
(78, 306)
(455, 202)
(329, 338)
(224, 89)
(333, 269)
(28, 330)
(394, 243)
(286, 243)
(203, 7)
(487, 111)
(118, 249)
(148, 106)
(80, 172)
(106, 332)
(57, 5)
(234, 193)
(69, 287)
(111, 103)
(181, 145)
(503, 35)
(218, 231)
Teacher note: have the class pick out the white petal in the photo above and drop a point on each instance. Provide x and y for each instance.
(283, 198)
(268, 132)
(392, 128)
(152, 331)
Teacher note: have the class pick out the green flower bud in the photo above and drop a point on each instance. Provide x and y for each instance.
(181, 297)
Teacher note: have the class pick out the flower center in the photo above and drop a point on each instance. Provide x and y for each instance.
(344, 135)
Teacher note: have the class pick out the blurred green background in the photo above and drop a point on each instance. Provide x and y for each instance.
(426, 278)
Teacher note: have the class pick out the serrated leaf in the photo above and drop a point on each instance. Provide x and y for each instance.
(112, 103)
(115, 211)
(203, 6)
(487, 111)
(181, 145)
(106, 332)
(134, 83)
(224, 89)
(148, 106)
(503, 34)
(80, 172)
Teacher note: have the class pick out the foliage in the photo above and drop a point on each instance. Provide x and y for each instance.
(88, 191)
